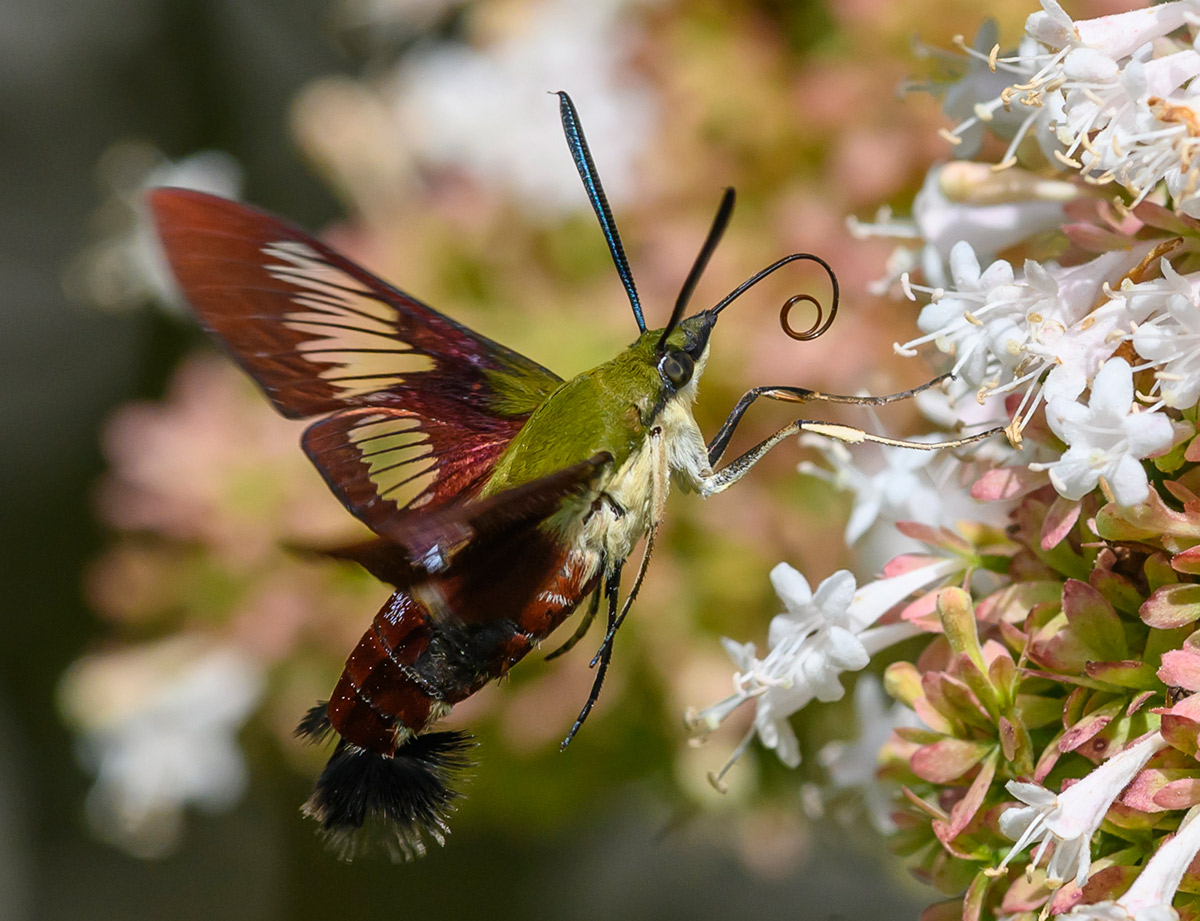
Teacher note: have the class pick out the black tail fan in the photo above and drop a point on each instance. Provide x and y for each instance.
(407, 795)
(315, 726)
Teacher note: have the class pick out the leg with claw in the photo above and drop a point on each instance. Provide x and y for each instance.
(800, 395)
(612, 587)
(736, 469)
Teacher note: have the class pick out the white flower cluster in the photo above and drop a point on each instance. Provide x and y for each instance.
(479, 107)
(819, 636)
(1103, 342)
(1112, 101)
(1101, 98)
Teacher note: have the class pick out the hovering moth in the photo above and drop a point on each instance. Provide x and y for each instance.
(501, 496)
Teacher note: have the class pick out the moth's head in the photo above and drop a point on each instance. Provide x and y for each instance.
(679, 348)
(681, 354)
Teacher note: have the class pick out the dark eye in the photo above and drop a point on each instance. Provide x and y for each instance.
(676, 368)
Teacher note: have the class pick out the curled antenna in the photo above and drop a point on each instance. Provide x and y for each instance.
(820, 325)
(595, 192)
(720, 222)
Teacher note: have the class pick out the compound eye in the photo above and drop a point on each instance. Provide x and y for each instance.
(677, 368)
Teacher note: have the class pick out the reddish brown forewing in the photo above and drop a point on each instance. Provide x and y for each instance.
(422, 406)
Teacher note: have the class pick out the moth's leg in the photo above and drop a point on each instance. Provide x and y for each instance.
(589, 616)
(612, 586)
(716, 447)
(736, 469)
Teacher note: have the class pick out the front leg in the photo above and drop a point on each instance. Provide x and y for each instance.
(716, 447)
(733, 471)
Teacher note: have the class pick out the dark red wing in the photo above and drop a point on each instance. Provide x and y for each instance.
(465, 536)
(380, 460)
(315, 330)
(320, 334)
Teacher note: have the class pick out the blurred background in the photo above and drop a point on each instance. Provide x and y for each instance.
(159, 645)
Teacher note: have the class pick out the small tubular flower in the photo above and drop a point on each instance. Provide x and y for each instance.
(820, 636)
(1107, 438)
(1171, 340)
(1069, 819)
(1150, 896)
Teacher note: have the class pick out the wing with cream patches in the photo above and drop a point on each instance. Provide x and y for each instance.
(422, 406)
(381, 461)
(470, 534)
(319, 333)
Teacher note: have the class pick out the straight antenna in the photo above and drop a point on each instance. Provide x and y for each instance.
(595, 192)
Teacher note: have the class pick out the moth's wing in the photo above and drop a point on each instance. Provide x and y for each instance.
(468, 549)
(448, 539)
(319, 333)
(423, 407)
(382, 461)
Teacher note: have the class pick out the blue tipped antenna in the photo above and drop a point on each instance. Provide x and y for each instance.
(595, 191)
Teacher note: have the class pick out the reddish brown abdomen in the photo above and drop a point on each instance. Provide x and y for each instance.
(411, 665)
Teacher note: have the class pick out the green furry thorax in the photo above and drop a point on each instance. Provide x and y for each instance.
(609, 408)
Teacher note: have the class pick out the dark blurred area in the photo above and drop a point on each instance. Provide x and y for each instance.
(190, 75)
(77, 77)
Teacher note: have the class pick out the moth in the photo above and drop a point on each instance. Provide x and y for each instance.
(501, 496)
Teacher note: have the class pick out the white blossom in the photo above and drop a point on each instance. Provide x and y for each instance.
(159, 730)
(1045, 333)
(854, 765)
(1130, 126)
(1150, 896)
(484, 107)
(1107, 438)
(952, 320)
(979, 80)
(818, 637)
(1069, 819)
(901, 489)
(1171, 340)
(1086, 90)
(968, 202)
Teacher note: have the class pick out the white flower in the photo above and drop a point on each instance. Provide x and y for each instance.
(953, 319)
(1133, 128)
(485, 109)
(992, 211)
(1172, 339)
(1150, 896)
(821, 635)
(971, 203)
(980, 80)
(1116, 36)
(1107, 438)
(901, 490)
(159, 729)
(1068, 820)
(1097, 94)
(1006, 332)
(853, 765)
(125, 267)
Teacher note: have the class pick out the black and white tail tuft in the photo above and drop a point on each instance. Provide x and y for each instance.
(407, 795)
(315, 726)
